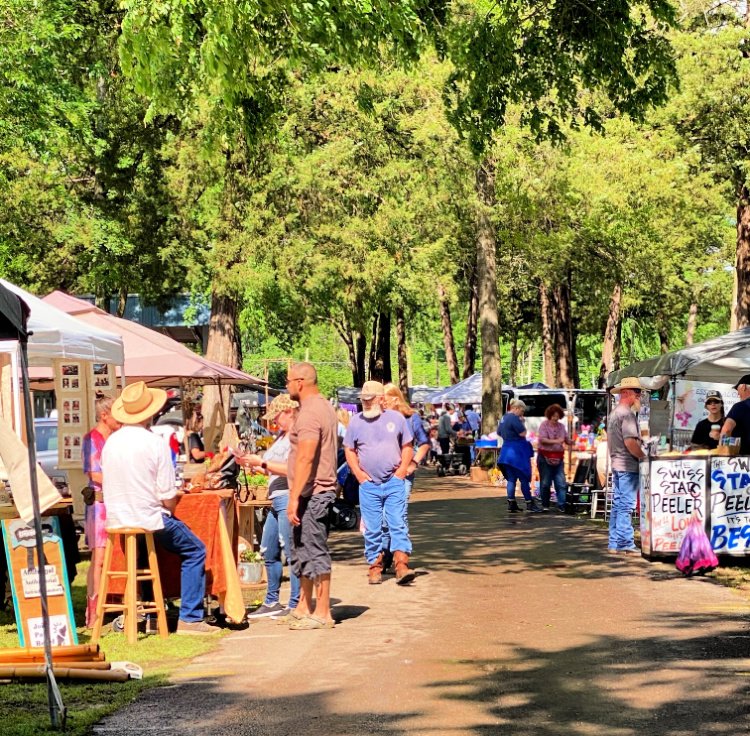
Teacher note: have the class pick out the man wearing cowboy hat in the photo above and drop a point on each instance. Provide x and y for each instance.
(624, 443)
(139, 491)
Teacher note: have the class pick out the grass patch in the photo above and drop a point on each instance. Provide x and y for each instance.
(23, 707)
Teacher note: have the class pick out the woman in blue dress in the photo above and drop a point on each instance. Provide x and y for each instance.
(515, 456)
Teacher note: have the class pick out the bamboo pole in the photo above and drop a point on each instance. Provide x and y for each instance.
(39, 672)
(82, 651)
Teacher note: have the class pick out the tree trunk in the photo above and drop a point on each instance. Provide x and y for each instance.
(448, 342)
(560, 304)
(122, 302)
(380, 351)
(487, 284)
(347, 337)
(513, 360)
(470, 345)
(617, 349)
(373, 348)
(223, 347)
(361, 350)
(611, 331)
(548, 338)
(692, 323)
(403, 360)
(742, 309)
(663, 338)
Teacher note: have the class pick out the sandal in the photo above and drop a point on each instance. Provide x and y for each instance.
(307, 623)
(290, 617)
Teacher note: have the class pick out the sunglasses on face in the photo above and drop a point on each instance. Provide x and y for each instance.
(713, 401)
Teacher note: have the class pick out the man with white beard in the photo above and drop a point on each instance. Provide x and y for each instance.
(378, 447)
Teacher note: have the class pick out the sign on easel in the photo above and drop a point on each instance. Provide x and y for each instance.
(20, 552)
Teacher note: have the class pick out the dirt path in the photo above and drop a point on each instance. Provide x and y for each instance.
(516, 625)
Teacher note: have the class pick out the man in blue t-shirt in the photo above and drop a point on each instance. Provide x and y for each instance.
(378, 447)
(737, 423)
(473, 419)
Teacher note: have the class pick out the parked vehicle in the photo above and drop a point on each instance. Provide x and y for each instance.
(46, 453)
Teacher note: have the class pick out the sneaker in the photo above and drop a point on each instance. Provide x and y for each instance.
(561, 509)
(196, 627)
(267, 609)
(545, 509)
(631, 551)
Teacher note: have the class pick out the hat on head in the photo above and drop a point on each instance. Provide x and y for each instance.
(745, 379)
(137, 403)
(280, 403)
(630, 382)
(371, 390)
(713, 395)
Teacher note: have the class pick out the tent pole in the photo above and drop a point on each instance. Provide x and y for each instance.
(54, 698)
(674, 406)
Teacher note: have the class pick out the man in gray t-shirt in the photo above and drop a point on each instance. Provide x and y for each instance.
(378, 447)
(625, 451)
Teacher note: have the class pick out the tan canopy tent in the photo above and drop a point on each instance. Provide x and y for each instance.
(150, 356)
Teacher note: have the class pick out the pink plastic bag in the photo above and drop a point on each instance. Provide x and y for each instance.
(696, 555)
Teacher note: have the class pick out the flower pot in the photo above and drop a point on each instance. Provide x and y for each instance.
(250, 572)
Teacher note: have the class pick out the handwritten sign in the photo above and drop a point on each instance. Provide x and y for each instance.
(730, 505)
(645, 499)
(23, 569)
(677, 491)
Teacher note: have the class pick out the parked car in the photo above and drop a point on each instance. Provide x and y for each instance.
(46, 453)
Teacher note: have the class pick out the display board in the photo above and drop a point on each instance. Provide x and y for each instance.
(677, 490)
(730, 505)
(20, 553)
(76, 384)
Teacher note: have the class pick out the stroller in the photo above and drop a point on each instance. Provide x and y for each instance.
(452, 463)
(344, 513)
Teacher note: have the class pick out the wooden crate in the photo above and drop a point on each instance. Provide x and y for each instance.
(479, 475)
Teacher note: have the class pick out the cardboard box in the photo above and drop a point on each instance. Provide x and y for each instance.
(479, 475)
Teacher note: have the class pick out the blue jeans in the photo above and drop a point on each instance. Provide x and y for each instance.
(511, 476)
(549, 474)
(277, 536)
(176, 537)
(385, 500)
(408, 483)
(625, 487)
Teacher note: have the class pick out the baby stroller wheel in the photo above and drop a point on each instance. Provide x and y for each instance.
(462, 469)
(440, 471)
(348, 518)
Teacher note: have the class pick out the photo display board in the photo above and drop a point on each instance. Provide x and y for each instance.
(76, 385)
(20, 553)
(730, 505)
(677, 490)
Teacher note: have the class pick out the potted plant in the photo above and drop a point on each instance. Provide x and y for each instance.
(250, 567)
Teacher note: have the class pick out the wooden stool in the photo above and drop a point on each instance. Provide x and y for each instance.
(133, 576)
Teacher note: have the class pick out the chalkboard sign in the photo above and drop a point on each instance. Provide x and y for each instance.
(677, 490)
(730, 505)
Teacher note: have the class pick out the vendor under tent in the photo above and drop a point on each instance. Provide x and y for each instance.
(711, 485)
(151, 356)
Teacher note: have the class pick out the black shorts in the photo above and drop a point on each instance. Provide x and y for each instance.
(310, 554)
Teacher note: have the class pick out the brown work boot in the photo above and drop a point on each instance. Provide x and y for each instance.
(404, 574)
(375, 573)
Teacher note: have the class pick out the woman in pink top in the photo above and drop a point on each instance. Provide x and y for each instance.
(95, 512)
(553, 438)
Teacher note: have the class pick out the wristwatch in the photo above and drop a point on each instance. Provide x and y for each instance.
(264, 465)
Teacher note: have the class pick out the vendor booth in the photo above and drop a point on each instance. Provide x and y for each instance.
(678, 484)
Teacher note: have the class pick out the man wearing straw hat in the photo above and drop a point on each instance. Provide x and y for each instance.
(139, 491)
(624, 442)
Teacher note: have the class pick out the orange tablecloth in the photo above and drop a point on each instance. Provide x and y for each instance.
(212, 517)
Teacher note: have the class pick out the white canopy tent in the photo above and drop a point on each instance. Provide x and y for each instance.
(468, 391)
(722, 359)
(54, 334)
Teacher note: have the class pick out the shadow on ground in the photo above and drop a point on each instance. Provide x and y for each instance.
(608, 686)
